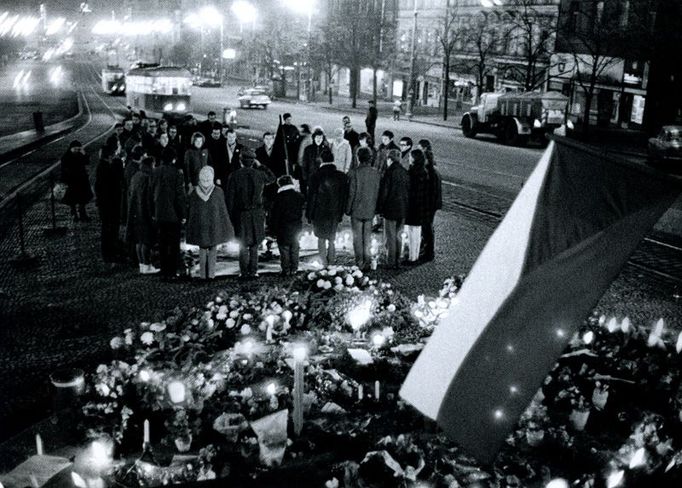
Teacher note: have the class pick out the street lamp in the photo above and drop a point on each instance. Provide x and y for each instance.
(208, 16)
(245, 12)
(305, 7)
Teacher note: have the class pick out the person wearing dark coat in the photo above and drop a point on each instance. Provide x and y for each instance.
(435, 203)
(148, 140)
(244, 199)
(108, 194)
(326, 204)
(363, 193)
(286, 223)
(234, 150)
(371, 120)
(393, 202)
(266, 156)
(208, 223)
(418, 208)
(74, 174)
(292, 138)
(140, 226)
(349, 133)
(132, 166)
(196, 157)
(217, 151)
(170, 211)
(384, 148)
(311, 157)
(206, 126)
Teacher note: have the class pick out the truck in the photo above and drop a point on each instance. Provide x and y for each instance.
(516, 118)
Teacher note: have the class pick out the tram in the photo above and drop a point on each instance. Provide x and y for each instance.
(113, 80)
(159, 89)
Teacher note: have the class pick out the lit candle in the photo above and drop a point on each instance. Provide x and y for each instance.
(39, 445)
(145, 439)
(377, 390)
(299, 354)
(268, 331)
(361, 393)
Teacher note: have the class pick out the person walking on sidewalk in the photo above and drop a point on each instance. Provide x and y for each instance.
(343, 154)
(371, 120)
(286, 223)
(363, 193)
(208, 223)
(397, 106)
(140, 226)
(74, 174)
(326, 204)
(393, 202)
(244, 198)
(435, 192)
(170, 211)
(418, 208)
(108, 193)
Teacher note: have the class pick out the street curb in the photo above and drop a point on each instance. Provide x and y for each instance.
(18, 151)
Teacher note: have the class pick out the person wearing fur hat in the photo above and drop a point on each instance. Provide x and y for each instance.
(286, 223)
(244, 197)
(208, 223)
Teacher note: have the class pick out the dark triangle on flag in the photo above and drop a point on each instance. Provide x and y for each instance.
(279, 152)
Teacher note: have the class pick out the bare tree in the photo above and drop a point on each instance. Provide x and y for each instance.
(448, 37)
(532, 36)
(326, 41)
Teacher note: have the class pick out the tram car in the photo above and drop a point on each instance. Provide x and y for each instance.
(113, 80)
(163, 90)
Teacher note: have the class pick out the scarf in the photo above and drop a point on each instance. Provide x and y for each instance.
(285, 188)
(205, 192)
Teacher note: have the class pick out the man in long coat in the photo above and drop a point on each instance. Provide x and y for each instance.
(393, 202)
(244, 198)
(326, 203)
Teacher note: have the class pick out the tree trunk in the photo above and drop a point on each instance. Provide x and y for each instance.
(374, 84)
(446, 86)
(589, 94)
(354, 86)
(329, 86)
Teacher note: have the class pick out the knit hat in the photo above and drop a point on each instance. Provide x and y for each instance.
(75, 143)
(247, 157)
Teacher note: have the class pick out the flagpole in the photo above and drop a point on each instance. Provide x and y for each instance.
(286, 151)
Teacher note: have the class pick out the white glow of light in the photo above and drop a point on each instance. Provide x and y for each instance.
(560, 333)
(138, 28)
(245, 11)
(248, 347)
(510, 348)
(176, 391)
(615, 479)
(168, 107)
(588, 337)
(498, 414)
(360, 315)
(513, 390)
(229, 53)
(625, 325)
(145, 376)
(302, 7)
(181, 107)
(101, 455)
(378, 340)
(54, 26)
(271, 389)
(638, 458)
(78, 480)
(557, 483)
(487, 3)
(17, 79)
(299, 352)
(612, 325)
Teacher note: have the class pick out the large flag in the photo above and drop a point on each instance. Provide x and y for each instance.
(279, 152)
(564, 239)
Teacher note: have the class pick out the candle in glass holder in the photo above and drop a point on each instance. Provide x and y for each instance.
(299, 355)
(361, 393)
(377, 390)
(145, 438)
(39, 445)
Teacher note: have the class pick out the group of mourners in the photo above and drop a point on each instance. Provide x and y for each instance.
(155, 178)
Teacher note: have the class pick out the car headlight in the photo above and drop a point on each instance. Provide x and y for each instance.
(181, 107)
(168, 107)
(537, 124)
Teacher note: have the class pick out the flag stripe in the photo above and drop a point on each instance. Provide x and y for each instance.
(477, 301)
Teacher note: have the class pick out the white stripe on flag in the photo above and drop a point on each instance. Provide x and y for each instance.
(494, 275)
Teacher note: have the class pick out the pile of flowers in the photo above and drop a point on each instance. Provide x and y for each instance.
(216, 385)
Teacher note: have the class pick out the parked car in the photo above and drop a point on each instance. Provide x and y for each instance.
(253, 97)
(667, 146)
(206, 82)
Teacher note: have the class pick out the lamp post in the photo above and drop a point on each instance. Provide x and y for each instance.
(208, 16)
(410, 89)
(305, 7)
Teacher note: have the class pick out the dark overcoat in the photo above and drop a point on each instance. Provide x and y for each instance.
(244, 198)
(326, 199)
(140, 227)
(195, 159)
(208, 223)
(170, 200)
(286, 217)
(418, 208)
(74, 175)
(109, 188)
(394, 193)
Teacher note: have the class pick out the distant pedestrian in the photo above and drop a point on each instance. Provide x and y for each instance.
(418, 209)
(108, 193)
(74, 174)
(244, 199)
(397, 106)
(326, 205)
(363, 193)
(393, 204)
(371, 120)
(312, 157)
(196, 157)
(140, 228)
(343, 154)
(208, 223)
(170, 211)
(349, 133)
(435, 193)
(286, 223)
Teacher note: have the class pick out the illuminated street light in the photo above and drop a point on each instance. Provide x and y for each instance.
(229, 53)
(209, 16)
(244, 11)
(54, 26)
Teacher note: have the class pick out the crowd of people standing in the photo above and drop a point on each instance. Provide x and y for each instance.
(156, 178)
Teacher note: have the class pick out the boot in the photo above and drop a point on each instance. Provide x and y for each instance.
(150, 269)
(143, 268)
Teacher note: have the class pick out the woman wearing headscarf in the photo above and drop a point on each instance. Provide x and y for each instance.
(74, 175)
(208, 223)
(435, 202)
